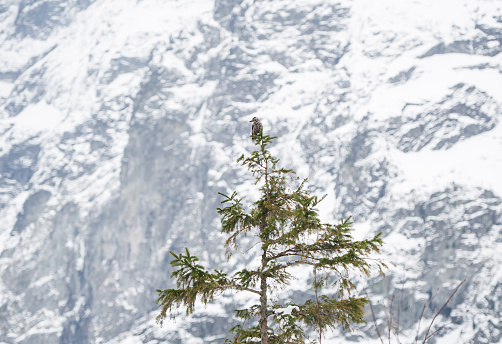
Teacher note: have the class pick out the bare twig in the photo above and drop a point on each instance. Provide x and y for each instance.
(374, 319)
(399, 315)
(428, 333)
(426, 337)
(389, 321)
(443, 326)
(420, 320)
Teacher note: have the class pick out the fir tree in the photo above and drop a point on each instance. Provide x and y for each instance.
(287, 225)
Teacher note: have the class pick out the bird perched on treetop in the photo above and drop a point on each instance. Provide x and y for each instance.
(256, 128)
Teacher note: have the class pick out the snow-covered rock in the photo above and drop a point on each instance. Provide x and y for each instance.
(120, 120)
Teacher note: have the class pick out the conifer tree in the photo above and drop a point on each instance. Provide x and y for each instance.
(286, 222)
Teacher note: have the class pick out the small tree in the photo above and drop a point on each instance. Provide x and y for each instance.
(287, 225)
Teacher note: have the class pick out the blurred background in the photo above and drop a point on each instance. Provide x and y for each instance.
(121, 120)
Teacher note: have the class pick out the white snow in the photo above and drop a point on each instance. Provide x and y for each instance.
(5, 88)
(474, 161)
(386, 38)
(35, 120)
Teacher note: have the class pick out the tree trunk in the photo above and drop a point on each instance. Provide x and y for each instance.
(263, 284)
(263, 301)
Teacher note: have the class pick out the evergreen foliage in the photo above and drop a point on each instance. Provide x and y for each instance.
(290, 232)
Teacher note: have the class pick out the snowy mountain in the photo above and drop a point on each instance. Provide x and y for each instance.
(120, 121)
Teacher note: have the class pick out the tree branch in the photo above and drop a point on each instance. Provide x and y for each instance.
(238, 287)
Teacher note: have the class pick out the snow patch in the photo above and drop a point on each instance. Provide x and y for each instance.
(473, 161)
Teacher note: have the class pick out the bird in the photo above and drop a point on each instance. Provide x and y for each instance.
(256, 129)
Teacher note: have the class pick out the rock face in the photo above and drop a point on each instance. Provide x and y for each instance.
(120, 121)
